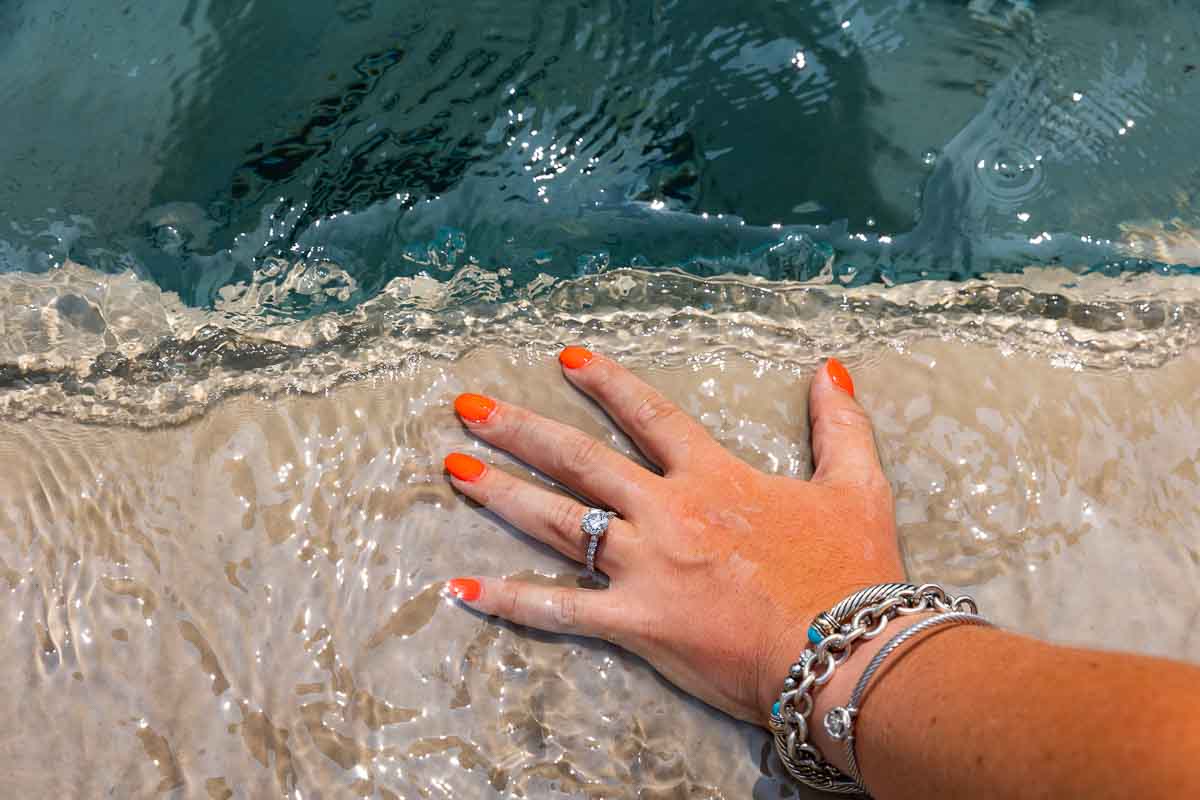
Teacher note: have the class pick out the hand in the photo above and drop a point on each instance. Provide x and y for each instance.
(715, 569)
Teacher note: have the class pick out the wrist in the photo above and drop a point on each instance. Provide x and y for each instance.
(853, 650)
(783, 650)
(786, 640)
(837, 692)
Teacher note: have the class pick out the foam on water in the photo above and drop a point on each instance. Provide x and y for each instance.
(115, 349)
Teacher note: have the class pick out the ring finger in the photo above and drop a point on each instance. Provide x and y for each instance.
(547, 516)
(559, 451)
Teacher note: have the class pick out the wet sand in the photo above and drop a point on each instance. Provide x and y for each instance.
(248, 603)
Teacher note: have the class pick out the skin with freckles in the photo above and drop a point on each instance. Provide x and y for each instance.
(707, 526)
(716, 570)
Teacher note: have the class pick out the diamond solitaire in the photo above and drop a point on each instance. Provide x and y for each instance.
(595, 522)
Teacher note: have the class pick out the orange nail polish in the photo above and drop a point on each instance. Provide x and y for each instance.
(574, 357)
(464, 467)
(474, 407)
(465, 589)
(840, 376)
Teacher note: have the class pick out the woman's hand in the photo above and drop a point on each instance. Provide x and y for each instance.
(716, 569)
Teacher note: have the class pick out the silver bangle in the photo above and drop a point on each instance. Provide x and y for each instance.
(830, 633)
(846, 715)
(833, 635)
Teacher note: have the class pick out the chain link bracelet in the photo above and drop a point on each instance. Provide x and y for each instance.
(833, 636)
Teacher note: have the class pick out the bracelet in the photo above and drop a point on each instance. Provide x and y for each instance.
(847, 714)
(833, 636)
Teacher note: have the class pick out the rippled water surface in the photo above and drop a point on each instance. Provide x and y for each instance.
(193, 141)
(250, 251)
(248, 603)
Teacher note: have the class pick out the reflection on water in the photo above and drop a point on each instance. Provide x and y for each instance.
(253, 249)
(248, 603)
(911, 139)
(113, 349)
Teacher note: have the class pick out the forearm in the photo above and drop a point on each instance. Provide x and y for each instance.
(973, 712)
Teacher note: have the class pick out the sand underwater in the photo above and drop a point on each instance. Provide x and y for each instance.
(224, 551)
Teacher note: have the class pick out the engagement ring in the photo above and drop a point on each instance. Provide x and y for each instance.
(595, 525)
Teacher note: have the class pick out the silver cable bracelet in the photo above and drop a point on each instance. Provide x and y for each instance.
(833, 635)
(847, 714)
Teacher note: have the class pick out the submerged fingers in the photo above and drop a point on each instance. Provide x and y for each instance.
(557, 609)
(546, 515)
(843, 438)
(664, 432)
(566, 454)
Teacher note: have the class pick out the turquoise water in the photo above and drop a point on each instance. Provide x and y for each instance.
(209, 146)
(250, 251)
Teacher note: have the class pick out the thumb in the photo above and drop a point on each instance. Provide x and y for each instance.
(843, 440)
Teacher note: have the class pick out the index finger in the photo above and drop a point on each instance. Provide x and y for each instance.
(664, 432)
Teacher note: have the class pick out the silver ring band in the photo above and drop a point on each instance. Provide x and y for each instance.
(595, 525)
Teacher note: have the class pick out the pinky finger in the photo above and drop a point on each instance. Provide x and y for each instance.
(557, 609)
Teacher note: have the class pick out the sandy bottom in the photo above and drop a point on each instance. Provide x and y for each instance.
(247, 605)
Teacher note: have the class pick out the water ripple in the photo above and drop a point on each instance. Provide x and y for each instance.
(113, 349)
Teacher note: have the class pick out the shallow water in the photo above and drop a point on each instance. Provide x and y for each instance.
(249, 601)
(252, 251)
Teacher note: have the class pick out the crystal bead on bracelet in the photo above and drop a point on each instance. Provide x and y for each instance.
(839, 722)
(834, 633)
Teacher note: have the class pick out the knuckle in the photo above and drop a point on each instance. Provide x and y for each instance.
(603, 372)
(579, 454)
(493, 489)
(878, 487)
(868, 482)
(513, 605)
(505, 492)
(641, 631)
(515, 425)
(564, 518)
(654, 408)
(562, 606)
(848, 418)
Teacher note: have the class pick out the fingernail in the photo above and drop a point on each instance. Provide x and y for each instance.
(474, 407)
(574, 357)
(464, 467)
(465, 589)
(840, 376)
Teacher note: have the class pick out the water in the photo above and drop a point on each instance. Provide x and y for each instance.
(194, 142)
(253, 250)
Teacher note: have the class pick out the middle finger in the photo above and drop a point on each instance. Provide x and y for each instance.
(545, 515)
(564, 453)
